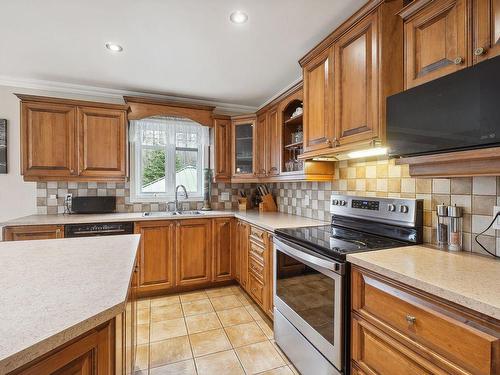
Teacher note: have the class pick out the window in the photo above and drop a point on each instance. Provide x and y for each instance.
(166, 152)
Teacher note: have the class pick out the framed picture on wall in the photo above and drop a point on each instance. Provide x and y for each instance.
(3, 146)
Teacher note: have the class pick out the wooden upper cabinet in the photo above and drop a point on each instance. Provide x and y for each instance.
(436, 40)
(356, 84)
(486, 29)
(274, 142)
(243, 147)
(102, 142)
(223, 245)
(72, 139)
(318, 105)
(222, 129)
(48, 140)
(33, 232)
(156, 255)
(261, 146)
(193, 251)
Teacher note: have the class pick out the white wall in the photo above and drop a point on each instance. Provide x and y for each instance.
(18, 198)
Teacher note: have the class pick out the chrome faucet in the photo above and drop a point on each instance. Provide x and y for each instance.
(176, 193)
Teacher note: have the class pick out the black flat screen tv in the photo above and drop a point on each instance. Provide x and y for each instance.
(460, 111)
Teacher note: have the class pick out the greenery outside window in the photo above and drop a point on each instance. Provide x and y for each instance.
(166, 152)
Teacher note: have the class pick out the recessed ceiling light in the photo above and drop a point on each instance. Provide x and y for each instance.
(114, 47)
(238, 17)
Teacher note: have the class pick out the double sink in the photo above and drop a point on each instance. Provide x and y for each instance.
(172, 213)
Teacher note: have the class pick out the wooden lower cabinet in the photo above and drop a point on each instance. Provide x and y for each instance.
(243, 233)
(223, 245)
(416, 333)
(33, 232)
(193, 251)
(156, 255)
(90, 354)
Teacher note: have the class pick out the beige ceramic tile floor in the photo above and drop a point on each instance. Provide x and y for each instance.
(214, 331)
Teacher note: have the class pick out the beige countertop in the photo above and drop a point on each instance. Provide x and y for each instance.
(55, 290)
(470, 280)
(266, 220)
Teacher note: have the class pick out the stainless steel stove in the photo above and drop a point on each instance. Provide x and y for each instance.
(311, 275)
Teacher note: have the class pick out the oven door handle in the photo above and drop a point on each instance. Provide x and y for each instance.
(301, 253)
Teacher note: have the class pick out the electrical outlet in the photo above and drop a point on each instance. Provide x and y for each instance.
(306, 200)
(496, 224)
(224, 196)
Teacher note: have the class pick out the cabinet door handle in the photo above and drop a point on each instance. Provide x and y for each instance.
(458, 61)
(411, 319)
(480, 51)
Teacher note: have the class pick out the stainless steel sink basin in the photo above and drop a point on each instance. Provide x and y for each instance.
(173, 213)
(188, 213)
(157, 214)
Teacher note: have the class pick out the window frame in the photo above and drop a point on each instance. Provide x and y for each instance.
(170, 148)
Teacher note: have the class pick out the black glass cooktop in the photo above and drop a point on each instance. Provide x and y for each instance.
(336, 242)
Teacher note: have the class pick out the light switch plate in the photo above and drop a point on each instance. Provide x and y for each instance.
(496, 224)
(224, 196)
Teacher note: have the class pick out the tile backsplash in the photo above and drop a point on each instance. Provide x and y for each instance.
(375, 177)
(48, 205)
(383, 178)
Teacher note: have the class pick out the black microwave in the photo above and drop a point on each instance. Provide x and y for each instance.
(457, 112)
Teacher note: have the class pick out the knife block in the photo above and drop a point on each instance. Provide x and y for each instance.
(268, 204)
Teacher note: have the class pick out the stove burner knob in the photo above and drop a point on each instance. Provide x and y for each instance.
(403, 209)
(391, 207)
(335, 202)
(343, 202)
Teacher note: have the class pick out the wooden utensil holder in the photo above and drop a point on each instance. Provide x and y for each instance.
(243, 204)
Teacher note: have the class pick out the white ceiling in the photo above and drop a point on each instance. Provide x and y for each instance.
(183, 47)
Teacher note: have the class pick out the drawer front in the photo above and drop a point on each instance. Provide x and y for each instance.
(258, 235)
(256, 289)
(376, 353)
(256, 268)
(257, 251)
(436, 328)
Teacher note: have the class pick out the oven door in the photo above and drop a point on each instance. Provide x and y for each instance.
(308, 293)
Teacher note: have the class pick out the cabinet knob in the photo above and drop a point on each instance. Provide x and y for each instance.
(479, 51)
(458, 61)
(411, 319)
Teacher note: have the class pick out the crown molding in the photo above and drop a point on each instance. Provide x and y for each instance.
(117, 95)
(280, 92)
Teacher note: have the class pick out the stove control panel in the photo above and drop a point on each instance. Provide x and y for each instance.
(392, 210)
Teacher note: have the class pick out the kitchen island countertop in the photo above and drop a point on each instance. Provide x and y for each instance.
(56, 290)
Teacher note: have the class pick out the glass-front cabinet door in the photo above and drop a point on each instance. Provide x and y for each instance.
(244, 147)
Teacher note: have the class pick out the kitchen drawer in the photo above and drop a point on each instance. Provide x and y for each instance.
(377, 353)
(257, 251)
(258, 235)
(256, 268)
(256, 289)
(438, 330)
